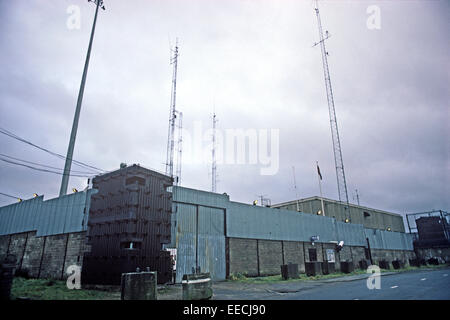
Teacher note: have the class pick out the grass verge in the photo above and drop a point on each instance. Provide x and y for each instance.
(42, 289)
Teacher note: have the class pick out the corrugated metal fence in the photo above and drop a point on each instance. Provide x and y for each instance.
(199, 225)
(199, 230)
(64, 214)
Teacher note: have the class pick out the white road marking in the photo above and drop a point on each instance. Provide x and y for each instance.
(445, 275)
(356, 299)
(423, 279)
(393, 287)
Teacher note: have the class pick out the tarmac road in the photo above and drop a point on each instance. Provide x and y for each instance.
(413, 285)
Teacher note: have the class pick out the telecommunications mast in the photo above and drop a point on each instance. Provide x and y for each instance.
(340, 174)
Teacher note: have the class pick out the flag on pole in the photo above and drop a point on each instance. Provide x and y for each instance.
(318, 171)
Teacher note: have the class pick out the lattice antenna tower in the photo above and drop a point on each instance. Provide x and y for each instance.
(172, 114)
(179, 147)
(295, 188)
(356, 197)
(213, 151)
(340, 174)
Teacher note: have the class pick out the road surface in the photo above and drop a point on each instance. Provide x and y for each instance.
(413, 285)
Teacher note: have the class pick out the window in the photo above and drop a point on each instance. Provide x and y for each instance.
(312, 255)
(130, 245)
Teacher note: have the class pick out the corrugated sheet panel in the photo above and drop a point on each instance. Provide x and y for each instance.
(59, 215)
(245, 221)
(200, 240)
(19, 217)
(211, 242)
(380, 239)
(352, 234)
(204, 198)
(185, 239)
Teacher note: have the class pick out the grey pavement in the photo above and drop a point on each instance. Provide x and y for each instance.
(423, 284)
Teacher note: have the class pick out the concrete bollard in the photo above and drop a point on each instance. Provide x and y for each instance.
(383, 264)
(289, 271)
(414, 262)
(347, 266)
(138, 286)
(197, 286)
(313, 268)
(397, 264)
(7, 268)
(363, 264)
(328, 267)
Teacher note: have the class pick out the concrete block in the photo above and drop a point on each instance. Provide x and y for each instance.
(243, 256)
(270, 257)
(347, 266)
(313, 268)
(197, 286)
(293, 253)
(363, 264)
(414, 262)
(328, 267)
(7, 266)
(139, 286)
(289, 271)
(383, 264)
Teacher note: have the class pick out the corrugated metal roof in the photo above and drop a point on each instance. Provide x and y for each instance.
(59, 215)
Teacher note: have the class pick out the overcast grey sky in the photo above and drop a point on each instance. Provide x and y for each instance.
(254, 61)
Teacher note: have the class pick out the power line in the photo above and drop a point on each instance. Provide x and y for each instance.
(14, 136)
(42, 165)
(40, 169)
(8, 195)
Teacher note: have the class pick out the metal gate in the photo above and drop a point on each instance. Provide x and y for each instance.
(200, 240)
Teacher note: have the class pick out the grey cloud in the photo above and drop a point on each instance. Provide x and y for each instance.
(254, 61)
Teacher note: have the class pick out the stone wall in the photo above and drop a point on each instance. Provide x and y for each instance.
(270, 257)
(293, 253)
(427, 253)
(44, 257)
(253, 257)
(31, 261)
(243, 256)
